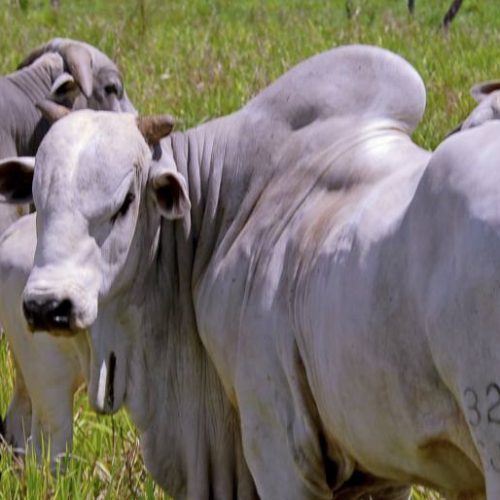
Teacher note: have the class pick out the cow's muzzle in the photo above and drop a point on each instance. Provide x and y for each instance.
(52, 315)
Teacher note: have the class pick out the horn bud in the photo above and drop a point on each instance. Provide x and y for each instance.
(154, 128)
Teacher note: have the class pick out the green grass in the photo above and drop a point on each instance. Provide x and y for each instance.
(201, 59)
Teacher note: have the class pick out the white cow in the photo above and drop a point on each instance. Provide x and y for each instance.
(344, 287)
(48, 369)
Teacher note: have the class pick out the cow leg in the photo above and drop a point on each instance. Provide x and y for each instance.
(39, 405)
(17, 423)
(51, 372)
(48, 371)
(281, 432)
(281, 468)
(56, 373)
(53, 432)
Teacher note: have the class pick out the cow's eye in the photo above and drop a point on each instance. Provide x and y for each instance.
(114, 89)
(111, 89)
(125, 206)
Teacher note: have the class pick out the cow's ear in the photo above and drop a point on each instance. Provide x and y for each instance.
(482, 90)
(16, 179)
(65, 90)
(169, 190)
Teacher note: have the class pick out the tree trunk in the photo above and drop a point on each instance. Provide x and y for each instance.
(411, 6)
(452, 12)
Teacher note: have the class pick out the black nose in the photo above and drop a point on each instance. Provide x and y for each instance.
(49, 315)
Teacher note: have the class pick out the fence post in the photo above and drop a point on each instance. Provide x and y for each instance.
(452, 12)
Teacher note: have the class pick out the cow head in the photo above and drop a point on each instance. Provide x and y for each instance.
(100, 195)
(90, 80)
(487, 95)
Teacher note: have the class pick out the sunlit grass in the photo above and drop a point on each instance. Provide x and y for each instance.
(105, 462)
(199, 59)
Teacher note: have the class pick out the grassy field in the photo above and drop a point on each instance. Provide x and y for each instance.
(201, 59)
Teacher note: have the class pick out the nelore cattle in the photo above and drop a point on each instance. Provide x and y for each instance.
(296, 286)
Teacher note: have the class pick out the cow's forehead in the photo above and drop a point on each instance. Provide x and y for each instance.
(90, 151)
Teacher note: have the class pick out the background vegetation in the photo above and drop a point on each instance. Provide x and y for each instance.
(199, 59)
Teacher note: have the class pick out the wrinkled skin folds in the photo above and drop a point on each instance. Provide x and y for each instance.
(298, 282)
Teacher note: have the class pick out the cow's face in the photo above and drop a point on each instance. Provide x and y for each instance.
(93, 81)
(99, 197)
(108, 92)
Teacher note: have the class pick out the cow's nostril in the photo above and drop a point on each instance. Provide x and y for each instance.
(32, 313)
(58, 314)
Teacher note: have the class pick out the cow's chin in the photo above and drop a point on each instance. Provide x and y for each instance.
(79, 324)
(108, 370)
(60, 332)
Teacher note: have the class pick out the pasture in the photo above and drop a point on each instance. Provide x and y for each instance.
(197, 60)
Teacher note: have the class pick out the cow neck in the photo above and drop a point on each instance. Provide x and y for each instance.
(189, 431)
(228, 162)
(226, 174)
(25, 89)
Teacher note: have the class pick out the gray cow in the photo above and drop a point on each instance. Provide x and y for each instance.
(70, 72)
(47, 371)
(188, 272)
(300, 272)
